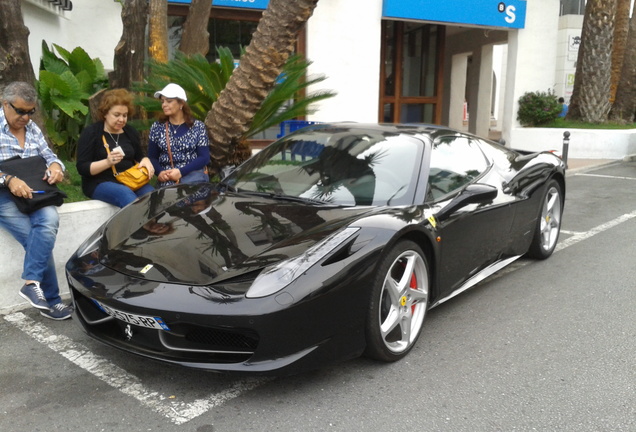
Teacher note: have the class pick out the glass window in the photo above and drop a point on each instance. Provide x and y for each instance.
(339, 166)
(389, 110)
(419, 63)
(455, 162)
(417, 113)
(498, 153)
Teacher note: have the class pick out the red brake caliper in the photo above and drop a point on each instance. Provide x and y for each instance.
(413, 285)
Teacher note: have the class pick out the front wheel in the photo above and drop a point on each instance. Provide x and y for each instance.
(399, 302)
(549, 224)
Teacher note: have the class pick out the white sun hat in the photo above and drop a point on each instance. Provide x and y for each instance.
(172, 91)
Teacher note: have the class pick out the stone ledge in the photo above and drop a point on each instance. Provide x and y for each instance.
(77, 221)
(584, 143)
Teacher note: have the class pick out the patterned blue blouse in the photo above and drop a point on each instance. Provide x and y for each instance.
(189, 147)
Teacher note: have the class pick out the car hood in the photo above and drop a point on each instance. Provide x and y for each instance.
(193, 234)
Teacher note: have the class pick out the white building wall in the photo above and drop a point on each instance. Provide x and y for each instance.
(343, 42)
(531, 58)
(94, 25)
(567, 52)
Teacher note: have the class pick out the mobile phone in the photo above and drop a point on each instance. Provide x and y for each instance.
(118, 149)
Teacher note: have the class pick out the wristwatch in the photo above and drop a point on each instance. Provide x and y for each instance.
(3, 180)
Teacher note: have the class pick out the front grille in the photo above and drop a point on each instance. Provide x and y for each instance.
(222, 338)
(187, 342)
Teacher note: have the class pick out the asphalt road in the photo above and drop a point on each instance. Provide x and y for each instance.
(542, 346)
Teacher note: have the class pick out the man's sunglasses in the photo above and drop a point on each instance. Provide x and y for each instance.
(21, 112)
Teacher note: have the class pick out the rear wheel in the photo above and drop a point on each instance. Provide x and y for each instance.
(549, 224)
(399, 301)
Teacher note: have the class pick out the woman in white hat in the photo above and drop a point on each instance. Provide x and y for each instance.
(178, 144)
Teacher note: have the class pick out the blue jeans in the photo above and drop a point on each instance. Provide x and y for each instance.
(118, 194)
(196, 176)
(36, 232)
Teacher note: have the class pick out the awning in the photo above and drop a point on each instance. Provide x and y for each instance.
(490, 13)
(245, 4)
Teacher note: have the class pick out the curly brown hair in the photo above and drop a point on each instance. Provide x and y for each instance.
(115, 97)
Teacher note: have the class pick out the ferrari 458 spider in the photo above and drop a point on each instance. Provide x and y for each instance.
(330, 243)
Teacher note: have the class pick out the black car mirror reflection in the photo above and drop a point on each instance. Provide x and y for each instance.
(472, 194)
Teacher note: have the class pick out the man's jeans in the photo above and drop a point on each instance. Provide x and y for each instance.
(36, 232)
(118, 194)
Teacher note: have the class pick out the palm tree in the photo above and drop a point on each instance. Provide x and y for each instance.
(625, 102)
(591, 94)
(204, 82)
(158, 30)
(15, 61)
(14, 45)
(621, 31)
(195, 38)
(259, 68)
(129, 52)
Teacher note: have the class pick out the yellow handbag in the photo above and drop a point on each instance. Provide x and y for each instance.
(133, 177)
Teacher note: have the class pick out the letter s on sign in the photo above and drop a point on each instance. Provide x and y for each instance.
(510, 14)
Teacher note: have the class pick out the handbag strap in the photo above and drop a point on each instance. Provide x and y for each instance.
(169, 151)
(115, 173)
(168, 145)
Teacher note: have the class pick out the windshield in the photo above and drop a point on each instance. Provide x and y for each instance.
(340, 166)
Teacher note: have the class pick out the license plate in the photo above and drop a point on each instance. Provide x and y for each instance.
(138, 320)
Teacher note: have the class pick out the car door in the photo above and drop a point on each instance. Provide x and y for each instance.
(473, 236)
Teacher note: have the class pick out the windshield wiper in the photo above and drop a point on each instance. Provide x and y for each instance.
(283, 197)
(225, 187)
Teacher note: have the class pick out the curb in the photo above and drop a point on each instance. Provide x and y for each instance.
(590, 167)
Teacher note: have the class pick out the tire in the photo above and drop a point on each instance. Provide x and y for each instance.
(398, 304)
(548, 227)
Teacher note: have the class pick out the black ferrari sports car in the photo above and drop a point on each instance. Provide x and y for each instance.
(330, 243)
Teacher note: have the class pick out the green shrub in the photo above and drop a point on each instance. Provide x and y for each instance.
(537, 108)
(66, 82)
(72, 184)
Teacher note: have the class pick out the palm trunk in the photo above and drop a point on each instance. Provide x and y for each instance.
(195, 38)
(158, 30)
(620, 43)
(271, 45)
(591, 95)
(625, 102)
(15, 61)
(129, 52)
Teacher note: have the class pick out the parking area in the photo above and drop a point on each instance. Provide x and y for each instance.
(53, 377)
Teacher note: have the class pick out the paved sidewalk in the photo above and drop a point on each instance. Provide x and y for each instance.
(575, 165)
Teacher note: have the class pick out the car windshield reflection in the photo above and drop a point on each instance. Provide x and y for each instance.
(340, 167)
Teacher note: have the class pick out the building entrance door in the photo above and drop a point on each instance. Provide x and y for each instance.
(411, 75)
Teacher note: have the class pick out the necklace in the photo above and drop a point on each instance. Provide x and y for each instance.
(116, 141)
(174, 128)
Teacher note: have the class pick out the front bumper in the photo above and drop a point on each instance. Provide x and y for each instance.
(220, 332)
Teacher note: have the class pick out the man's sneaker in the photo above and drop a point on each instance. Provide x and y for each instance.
(58, 312)
(34, 295)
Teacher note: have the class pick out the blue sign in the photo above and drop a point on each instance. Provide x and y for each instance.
(250, 4)
(491, 13)
(246, 4)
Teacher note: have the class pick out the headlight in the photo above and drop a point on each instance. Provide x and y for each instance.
(275, 278)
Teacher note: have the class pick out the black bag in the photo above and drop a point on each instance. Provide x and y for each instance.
(31, 170)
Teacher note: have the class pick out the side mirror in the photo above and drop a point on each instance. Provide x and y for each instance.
(472, 194)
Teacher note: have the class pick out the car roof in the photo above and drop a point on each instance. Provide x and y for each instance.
(415, 129)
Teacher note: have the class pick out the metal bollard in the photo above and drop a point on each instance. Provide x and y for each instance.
(566, 145)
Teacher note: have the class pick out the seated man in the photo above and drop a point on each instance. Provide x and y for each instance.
(35, 231)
